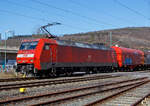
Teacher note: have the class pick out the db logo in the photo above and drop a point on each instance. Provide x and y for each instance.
(89, 58)
(24, 55)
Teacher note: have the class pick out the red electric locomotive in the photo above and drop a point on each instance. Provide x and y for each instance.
(53, 57)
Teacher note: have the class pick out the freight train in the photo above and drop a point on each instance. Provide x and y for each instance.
(51, 57)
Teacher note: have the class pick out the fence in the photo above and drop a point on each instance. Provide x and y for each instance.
(8, 68)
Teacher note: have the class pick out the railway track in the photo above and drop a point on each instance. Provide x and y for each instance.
(29, 78)
(145, 101)
(17, 79)
(37, 78)
(56, 98)
(22, 79)
(51, 82)
(129, 97)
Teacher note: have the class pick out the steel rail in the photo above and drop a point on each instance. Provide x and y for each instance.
(66, 91)
(29, 78)
(115, 94)
(81, 95)
(44, 83)
(140, 100)
(17, 79)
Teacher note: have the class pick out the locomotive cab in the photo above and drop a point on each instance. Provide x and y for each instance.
(26, 57)
(35, 57)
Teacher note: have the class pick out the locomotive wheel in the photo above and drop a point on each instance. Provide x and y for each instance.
(30, 75)
(53, 73)
(68, 73)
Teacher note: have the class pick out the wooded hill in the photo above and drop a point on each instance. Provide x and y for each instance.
(131, 37)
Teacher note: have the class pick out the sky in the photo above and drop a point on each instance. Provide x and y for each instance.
(24, 17)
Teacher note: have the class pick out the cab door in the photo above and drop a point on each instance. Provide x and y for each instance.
(46, 56)
(53, 49)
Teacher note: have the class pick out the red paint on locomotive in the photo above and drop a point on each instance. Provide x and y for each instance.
(49, 55)
(129, 57)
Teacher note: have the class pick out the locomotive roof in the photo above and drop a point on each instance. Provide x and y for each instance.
(82, 45)
(30, 40)
(75, 44)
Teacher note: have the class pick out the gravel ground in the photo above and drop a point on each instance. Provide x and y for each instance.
(70, 94)
(59, 87)
(131, 96)
(82, 101)
(119, 102)
(145, 102)
(59, 78)
(52, 88)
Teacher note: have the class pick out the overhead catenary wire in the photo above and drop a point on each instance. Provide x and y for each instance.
(29, 7)
(131, 9)
(43, 11)
(35, 18)
(23, 15)
(73, 13)
(105, 13)
(42, 19)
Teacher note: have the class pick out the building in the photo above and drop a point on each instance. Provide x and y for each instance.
(11, 53)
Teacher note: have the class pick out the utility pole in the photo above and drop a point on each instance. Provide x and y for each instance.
(5, 51)
(0, 37)
(13, 33)
(6, 32)
(110, 39)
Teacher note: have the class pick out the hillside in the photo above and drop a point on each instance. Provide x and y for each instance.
(132, 37)
(16, 40)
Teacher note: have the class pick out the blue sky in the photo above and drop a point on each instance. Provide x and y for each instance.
(26, 16)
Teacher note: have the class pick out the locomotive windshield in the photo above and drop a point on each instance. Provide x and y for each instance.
(28, 45)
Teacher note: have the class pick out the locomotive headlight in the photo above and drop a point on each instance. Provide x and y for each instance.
(20, 55)
(31, 60)
(30, 55)
(19, 60)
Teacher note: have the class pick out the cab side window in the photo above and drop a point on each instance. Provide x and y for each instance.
(47, 46)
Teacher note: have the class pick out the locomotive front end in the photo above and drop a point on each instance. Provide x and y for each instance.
(26, 57)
